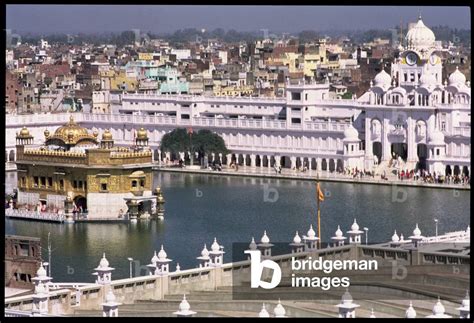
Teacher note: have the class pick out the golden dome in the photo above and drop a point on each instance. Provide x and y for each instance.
(46, 133)
(71, 133)
(95, 133)
(142, 134)
(24, 132)
(107, 135)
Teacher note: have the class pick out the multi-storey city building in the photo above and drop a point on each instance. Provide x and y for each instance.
(415, 116)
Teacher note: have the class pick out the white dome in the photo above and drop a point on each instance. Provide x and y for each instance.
(253, 245)
(383, 79)
(428, 79)
(457, 78)
(215, 246)
(297, 238)
(184, 305)
(438, 308)
(351, 133)
(162, 254)
(417, 231)
(311, 233)
(104, 263)
(395, 237)
(41, 272)
(410, 312)
(40, 288)
(205, 252)
(346, 297)
(265, 238)
(279, 310)
(154, 259)
(263, 312)
(338, 232)
(436, 138)
(372, 315)
(110, 297)
(420, 37)
(355, 226)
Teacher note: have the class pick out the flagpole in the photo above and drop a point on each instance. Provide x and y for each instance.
(319, 219)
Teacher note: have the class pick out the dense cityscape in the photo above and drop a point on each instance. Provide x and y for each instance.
(108, 132)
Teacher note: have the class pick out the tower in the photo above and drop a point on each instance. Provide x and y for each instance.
(110, 306)
(104, 272)
(355, 234)
(310, 240)
(297, 245)
(265, 246)
(216, 254)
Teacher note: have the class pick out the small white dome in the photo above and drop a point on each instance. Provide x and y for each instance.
(297, 238)
(110, 297)
(279, 310)
(338, 232)
(263, 312)
(178, 267)
(436, 138)
(346, 297)
(215, 246)
(162, 254)
(457, 78)
(465, 302)
(372, 315)
(355, 226)
(420, 37)
(417, 231)
(351, 133)
(427, 79)
(311, 233)
(205, 252)
(438, 308)
(154, 259)
(41, 272)
(253, 245)
(184, 305)
(410, 312)
(265, 238)
(395, 237)
(383, 79)
(104, 263)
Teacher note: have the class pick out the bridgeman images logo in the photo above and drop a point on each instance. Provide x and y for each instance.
(256, 270)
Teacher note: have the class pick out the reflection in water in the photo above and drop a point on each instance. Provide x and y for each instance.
(233, 209)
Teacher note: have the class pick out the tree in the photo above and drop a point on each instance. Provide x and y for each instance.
(203, 142)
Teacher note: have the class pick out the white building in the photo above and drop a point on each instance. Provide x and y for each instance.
(414, 114)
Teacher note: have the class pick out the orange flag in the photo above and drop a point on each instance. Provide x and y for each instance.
(319, 193)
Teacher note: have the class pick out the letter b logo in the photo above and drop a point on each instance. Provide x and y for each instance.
(256, 269)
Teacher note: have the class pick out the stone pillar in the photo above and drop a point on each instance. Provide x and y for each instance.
(220, 158)
(213, 155)
(277, 160)
(385, 143)
(292, 162)
(159, 156)
(252, 160)
(229, 159)
(319, 165)
(269, 160)
(412, 157)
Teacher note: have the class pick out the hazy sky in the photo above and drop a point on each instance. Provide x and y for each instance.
(156, 18)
